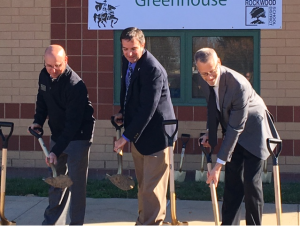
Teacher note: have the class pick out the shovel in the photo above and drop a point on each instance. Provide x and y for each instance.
(266, 176)
(180, 175)
(4, 221)
(276, 176)
(201, 175)
(171, 179)
(62, 181)
(212, 186)
(121, 181)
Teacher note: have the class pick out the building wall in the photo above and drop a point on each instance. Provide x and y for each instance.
(28, 27)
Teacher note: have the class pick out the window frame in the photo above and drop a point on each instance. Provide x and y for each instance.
(186, 44)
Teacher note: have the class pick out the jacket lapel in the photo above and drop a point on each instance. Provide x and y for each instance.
(222, 88)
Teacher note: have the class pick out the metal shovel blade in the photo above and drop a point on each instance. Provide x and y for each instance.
(123, 182)
(179, 176)
(62, 181)
(201, 175)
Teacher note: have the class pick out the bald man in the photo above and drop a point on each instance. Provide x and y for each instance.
(63, 98)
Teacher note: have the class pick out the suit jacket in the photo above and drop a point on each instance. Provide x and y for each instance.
(148, 103)
(243, 114)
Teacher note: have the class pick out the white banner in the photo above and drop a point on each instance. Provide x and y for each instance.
(184, 14)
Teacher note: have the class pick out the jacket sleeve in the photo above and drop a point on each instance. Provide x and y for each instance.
(237, 120)
(151, 84)
(41, 110)
(75, 108)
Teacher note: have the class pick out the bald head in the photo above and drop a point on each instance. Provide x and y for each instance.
(205, 54)
(55, 60)
(55, 50)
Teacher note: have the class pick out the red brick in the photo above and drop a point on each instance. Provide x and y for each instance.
(88, 34)
(185, 113)
(297, 114)
(105, 111)
(89, 63)
(27, 143)
(272, 110)
(296, 147)
(85, 3)
(90, 79)
(116, 109)
(73, 15)
(93, 95)
(105, 96)
(85, 16)
(89, 47)
(58, 31)
(106, 63)
(37, 146)
(61, 42)
(74, 3)
(106, 47)
(200, 113)
(58, 15)
(74, 47)
(287, 148)
(13, 143)
(285, 114)
(74, 31)
(27, 111)
(176, 111)
(12, 110)
(106, 34)
(196, 148)
(106, 80)
(1, 110)
(75, 63)
(57, 3)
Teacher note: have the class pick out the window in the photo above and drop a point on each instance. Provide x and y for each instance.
(237, 49)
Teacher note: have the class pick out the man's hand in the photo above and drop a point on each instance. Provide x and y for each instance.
(214, 174)
(204, 141)
(51, 159)
(119, 119)
(33, 126)
(119, 144)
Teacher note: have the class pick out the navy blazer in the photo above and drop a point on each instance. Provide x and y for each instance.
(148, 104)
(244, 116)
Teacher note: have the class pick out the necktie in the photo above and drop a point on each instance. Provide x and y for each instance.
(127, 82)
(212, 118)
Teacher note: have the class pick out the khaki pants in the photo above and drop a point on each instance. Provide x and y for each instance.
(152, 173)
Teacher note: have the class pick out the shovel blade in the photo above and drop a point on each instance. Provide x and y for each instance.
(266, 177)
(62, 181)
(123, 182)
(201, 176)
(179, 176)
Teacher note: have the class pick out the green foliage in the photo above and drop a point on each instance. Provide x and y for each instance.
(189, 190)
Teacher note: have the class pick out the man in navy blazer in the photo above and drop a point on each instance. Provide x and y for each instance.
(145, 103)
(246, 125)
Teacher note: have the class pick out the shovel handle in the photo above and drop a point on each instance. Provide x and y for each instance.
(185, 139)
(205, 150)
(170, 138)
(279, 149)
(43, 146)
(5, 139)
(112, 120)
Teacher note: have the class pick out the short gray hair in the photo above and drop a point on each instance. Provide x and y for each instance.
(204, 54)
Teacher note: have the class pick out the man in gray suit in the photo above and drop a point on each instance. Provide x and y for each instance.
(246, 125)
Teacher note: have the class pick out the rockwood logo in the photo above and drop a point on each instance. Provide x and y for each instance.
(105, 12)
(260, 12)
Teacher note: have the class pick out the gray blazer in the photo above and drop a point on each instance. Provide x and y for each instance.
(244, 116)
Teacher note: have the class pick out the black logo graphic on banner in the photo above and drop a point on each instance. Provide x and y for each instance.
(106, 12)
(257, 13)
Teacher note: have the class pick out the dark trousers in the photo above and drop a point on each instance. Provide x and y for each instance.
(74, 162)
(243, 181)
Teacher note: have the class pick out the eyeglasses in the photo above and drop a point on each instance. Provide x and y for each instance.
(212, 72)
(56, 67)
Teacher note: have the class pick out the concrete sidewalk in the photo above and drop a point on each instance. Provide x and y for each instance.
(25, 210)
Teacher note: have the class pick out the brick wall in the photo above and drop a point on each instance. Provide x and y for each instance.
(27, 27)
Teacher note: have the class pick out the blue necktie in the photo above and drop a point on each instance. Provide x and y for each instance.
(127, 82)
